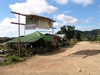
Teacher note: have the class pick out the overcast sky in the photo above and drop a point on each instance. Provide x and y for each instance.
(83, 14)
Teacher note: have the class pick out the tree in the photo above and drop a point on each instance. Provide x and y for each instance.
(98, 36)
(78, 36)
(63, 30)
(68, 30)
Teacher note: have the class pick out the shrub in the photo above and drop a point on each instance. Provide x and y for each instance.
(13, 58)
(6, 63)
(10, 60)
(0, 48)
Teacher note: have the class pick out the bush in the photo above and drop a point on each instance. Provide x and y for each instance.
(10, 60)
(14, 58)
(1, 48)
(6, 63)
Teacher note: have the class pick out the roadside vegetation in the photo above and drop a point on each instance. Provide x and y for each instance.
(10, 60)
(71, 35)
(1, 48)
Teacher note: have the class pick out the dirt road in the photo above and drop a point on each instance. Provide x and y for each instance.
(80, 59)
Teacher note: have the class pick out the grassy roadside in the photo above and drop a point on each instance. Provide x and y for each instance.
(95, 42)
(9, 60)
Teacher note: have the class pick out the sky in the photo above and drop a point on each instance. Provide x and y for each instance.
(83, 14)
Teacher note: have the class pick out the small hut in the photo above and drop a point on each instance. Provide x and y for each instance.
(29, 43)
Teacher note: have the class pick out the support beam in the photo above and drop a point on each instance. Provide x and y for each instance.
(18, 13)
(17, 23)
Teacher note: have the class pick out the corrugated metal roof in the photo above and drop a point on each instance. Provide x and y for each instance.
(32, 38)
(61, 35)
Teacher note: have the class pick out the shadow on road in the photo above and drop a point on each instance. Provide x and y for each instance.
(86, 53)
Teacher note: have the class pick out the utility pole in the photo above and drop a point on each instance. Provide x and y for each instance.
(18, 29)
(19, 34)
(53, 34)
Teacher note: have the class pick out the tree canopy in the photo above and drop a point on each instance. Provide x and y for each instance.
(68, 30)
(98, 37)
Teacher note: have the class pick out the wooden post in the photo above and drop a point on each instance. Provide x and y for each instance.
(53, 34)
(18, 29)
(19, 34)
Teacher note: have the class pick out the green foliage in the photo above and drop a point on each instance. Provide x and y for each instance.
(71, 33)
(13, 58)
(68, 31)
(85, 34)
(6, 55)
(6, 63)
(78, 36)
(10, 60)
(98, 36)
(1, 48)
(73, 42)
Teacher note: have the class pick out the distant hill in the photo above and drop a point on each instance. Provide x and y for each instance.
(87, 33)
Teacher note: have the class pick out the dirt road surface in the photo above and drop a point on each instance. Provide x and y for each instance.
(80, 59)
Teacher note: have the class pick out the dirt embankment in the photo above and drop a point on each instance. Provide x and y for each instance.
(80, 59)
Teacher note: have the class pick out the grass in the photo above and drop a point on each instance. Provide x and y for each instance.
(95, 42)
(1, 48)
(6, 63)
(73, 42)
(10, 60)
